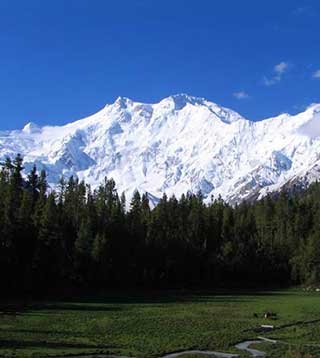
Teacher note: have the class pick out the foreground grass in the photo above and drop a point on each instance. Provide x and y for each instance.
(151, 326)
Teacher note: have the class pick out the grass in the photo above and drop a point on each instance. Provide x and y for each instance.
(146, 326)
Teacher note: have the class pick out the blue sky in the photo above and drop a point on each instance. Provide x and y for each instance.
(62, 60)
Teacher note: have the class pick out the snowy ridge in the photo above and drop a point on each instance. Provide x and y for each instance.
(180, 144)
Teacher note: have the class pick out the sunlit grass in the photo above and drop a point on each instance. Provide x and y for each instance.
(149, 326)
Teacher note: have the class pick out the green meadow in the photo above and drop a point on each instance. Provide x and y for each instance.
(151, 325)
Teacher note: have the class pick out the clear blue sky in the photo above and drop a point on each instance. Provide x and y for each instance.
(64, 59)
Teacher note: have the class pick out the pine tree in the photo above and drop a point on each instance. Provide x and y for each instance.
(49, 260)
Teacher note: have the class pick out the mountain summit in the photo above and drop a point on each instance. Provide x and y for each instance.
(180, 144)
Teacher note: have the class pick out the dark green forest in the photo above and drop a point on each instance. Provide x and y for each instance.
(83, 239)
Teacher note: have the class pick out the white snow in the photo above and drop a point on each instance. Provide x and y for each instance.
(181, 143)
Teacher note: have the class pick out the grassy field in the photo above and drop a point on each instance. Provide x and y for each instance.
(151, 325)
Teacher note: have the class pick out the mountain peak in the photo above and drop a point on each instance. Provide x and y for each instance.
(123, 102)
(180, 100)
(31, 128)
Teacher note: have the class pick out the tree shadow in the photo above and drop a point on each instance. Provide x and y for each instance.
(14, 343)
(163, 297)
(14, 309)
(115, 302)
(73, 306)
(40, 331)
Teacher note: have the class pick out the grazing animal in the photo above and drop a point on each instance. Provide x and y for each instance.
(270, 315)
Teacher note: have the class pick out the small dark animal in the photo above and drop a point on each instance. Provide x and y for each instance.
(272, 315)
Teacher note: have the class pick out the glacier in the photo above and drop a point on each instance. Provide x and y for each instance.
(183, 143)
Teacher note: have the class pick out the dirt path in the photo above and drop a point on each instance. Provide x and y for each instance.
(208, 354)
(245, 346)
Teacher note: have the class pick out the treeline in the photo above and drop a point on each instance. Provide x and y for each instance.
(76, 237)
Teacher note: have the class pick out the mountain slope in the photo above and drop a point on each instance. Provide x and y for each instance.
(181, 143)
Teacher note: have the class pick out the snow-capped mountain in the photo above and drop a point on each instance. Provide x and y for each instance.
(180, 144)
